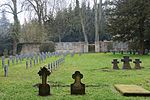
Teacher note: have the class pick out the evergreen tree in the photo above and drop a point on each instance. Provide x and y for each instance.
(128, 20)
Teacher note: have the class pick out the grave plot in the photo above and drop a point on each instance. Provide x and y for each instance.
(132, 90)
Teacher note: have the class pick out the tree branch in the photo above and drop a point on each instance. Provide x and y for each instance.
(8, 6)
(32, 5)
(7, 12)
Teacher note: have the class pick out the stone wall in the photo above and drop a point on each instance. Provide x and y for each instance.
(101, 46)
(30, 47)
(104, 46)
(120, 46)
(71, 46)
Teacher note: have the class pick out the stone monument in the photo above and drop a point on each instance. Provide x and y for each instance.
(126, 64)
(115, 64)
(77, 88)
(44, 88)
(137, 64)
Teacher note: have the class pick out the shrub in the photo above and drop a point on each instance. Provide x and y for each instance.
(47, 47)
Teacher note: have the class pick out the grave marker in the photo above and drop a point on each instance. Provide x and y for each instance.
(6, 70)
(3, 61)
(30, 63)
(34, 62)
(13, 61)
(55, 65)
(16, 60)
(44, 88)
(51, 67)
(77, 88)
(137, 64)
(115, 64)
(126, 64)
(26, 64)
(114, 52)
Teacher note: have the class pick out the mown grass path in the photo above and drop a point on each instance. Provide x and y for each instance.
(98, 77)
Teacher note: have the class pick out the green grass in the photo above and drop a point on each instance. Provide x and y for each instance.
(19, 83)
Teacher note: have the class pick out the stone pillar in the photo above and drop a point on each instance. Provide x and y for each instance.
(97, 46)
(86, 47)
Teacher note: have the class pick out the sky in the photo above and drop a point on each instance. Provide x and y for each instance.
(25, 15)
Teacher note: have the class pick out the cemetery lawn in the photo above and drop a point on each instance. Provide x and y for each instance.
(98, 77)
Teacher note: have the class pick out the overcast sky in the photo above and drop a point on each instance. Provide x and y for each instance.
(25, 15)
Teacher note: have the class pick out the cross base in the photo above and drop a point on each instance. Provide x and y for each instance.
(44, 89)
(78, 90)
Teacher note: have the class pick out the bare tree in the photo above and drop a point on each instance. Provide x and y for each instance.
(39, 7)
(98, 23)
(97, 48)
(100, 16)
(83, 24)
(82, 16)
(12, 9)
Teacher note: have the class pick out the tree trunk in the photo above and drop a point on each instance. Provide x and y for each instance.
(16, 27)
(97, 46)
(141, 32)
(141, 38)
(83, 28)
(100, 16)
(96, 22)
(82, 21)
(59, 38)
(14, 47)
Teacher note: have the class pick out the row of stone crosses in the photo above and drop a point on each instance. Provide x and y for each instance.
(126, 63)
(130, 51)
(32, 59)
(77, 88)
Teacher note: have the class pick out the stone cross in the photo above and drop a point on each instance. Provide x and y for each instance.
(126, 64)
(77, 88)
(54, 65)
(57, 63)
(44, 88)
(137, 63)
(115, 64)
(13, 61)
(16, 60)
(30, 63)
(20, 59)
(34, 62)
(51, 67)
(121, 51)
(114, 52)
(72, 54)
(130, 51)
(134, 52)
(3, 61)
(36, 59)
(26, 64)
(6, 70)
